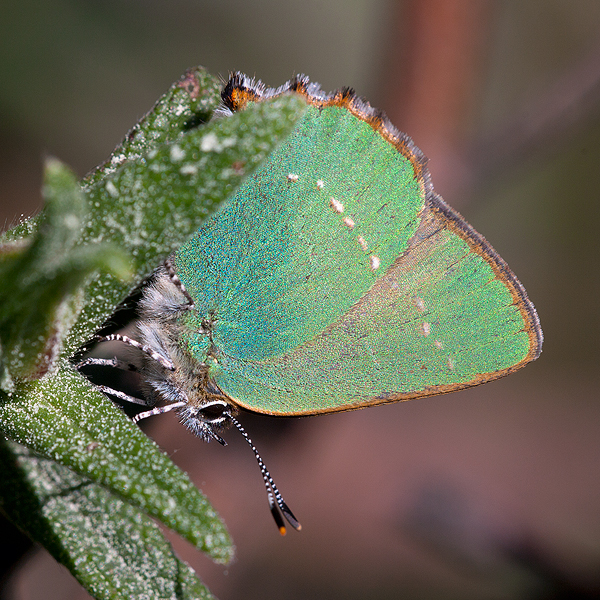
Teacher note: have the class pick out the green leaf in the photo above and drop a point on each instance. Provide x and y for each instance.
(41, 275)
(127, 555)
(61, 416)
(189, 103)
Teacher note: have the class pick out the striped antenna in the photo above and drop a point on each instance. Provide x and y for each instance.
(276, 502)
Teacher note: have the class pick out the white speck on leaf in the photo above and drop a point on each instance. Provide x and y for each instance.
(210, 143)
(112, 190)
(188, 170)
(71, 221)
(177, 153)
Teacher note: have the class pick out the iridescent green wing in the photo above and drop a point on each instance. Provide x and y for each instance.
(336, 278)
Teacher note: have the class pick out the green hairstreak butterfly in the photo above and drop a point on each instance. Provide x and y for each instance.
(334, 279)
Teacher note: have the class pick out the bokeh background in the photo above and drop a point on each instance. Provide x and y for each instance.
(490, 493)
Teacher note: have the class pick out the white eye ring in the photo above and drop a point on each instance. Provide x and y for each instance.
(203, 412)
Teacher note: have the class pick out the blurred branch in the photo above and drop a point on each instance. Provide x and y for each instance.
(434, 66)
(542, 124)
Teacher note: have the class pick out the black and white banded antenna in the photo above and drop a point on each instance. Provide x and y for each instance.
(276, 502)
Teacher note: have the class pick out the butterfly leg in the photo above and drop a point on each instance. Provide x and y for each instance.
(117, 337)
(115, 363)
(120, 395)
(106, 362)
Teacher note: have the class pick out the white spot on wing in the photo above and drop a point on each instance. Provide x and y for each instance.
(420, 304)
(336, 205)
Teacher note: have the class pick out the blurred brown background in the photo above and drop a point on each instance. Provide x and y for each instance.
(491, 493)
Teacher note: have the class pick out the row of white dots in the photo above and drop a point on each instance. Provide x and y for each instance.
(374, 261)
(338, 207)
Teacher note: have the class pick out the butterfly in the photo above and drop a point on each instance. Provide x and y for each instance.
(335, 278)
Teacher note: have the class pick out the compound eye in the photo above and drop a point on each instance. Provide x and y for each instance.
(213, 412)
